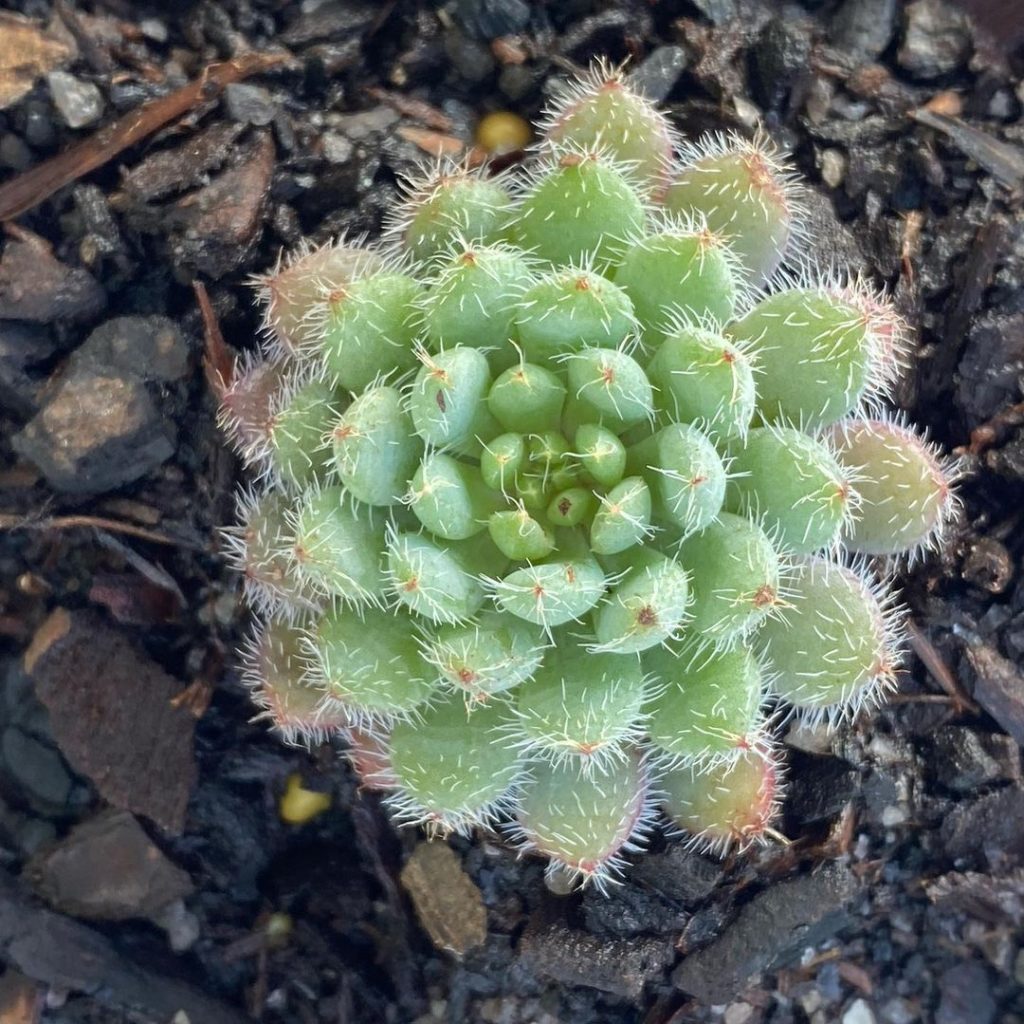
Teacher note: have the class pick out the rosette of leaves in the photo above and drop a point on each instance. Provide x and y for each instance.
(563, 490)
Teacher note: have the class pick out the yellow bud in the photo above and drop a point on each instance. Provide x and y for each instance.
(502, 132)
(299, 805)
(277, 929)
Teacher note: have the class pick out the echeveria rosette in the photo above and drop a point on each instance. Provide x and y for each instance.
(557, 487)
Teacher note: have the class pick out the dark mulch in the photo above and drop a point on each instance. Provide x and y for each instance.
(901, 898)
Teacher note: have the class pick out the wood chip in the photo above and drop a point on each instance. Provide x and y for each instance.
(434, 143)
(27, 52)
(1002, 160)
(446, 899)
(999, 687)
(21, 1000)
(409, 106)
(112, 715)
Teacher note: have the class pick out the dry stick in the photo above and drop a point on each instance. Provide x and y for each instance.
(9, 521)
(218, 360)
(938, 669)
(38, 183)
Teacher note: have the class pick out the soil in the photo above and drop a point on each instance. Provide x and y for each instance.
(145, 872)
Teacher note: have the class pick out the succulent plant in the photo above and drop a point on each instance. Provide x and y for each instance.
(564, 492)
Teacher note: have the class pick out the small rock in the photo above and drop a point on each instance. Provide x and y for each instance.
(32, 835)
(826, 238)
(656, 77)
(738, 1013)
(367, 124)
(22, 347)
(249, 104)
(718, 12)
(40, 130)
(679, 874)
(94, 434)
(811, 1000)
(27, 51)
(149, 348)
(180, 924)
(447, 901)
(985, 897)
(37, 770)
(771, 931)
(153, 28)
(998, 686)
(488, 19)
(858, 1012)
(780, 57)
(821, 787)
(175, 170)
(516, 80)
(14, 154)
(80, 103)
(893, 816)
(833, 167)
(988, 565)
(108, 869)
(36, 286)
(1001, 105)
(964, 760)
(992, 366)
(346, 19)
(473, 60)
(936, 38)
(863, 28)
(629, 910)
(987, 830)
(966, 996)
(222, 222)
(570, 957)
(899, 1011)
(112, 715)
(20, 998)
(337, 148)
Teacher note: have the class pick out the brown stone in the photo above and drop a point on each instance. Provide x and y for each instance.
(97, 432)
(447, 900)
(108, 869)
(223, 220)
(36, 286)
(112, 715)
(27, 52)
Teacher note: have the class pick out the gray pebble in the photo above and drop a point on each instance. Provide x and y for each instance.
(249, 104)
(149, 348)
(936, 38)
(472, 60)
(337, 148)
(716, 11)
(37, 770)
(488, 19)
(95, 433)
(656, 77)
(863, 28)
(80, 103)
(14, 154)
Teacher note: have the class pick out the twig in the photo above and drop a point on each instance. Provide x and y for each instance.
(218, 361)
(409, 106)
(10, 521)
(991, 431)
(38, 183)
(938, 669)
